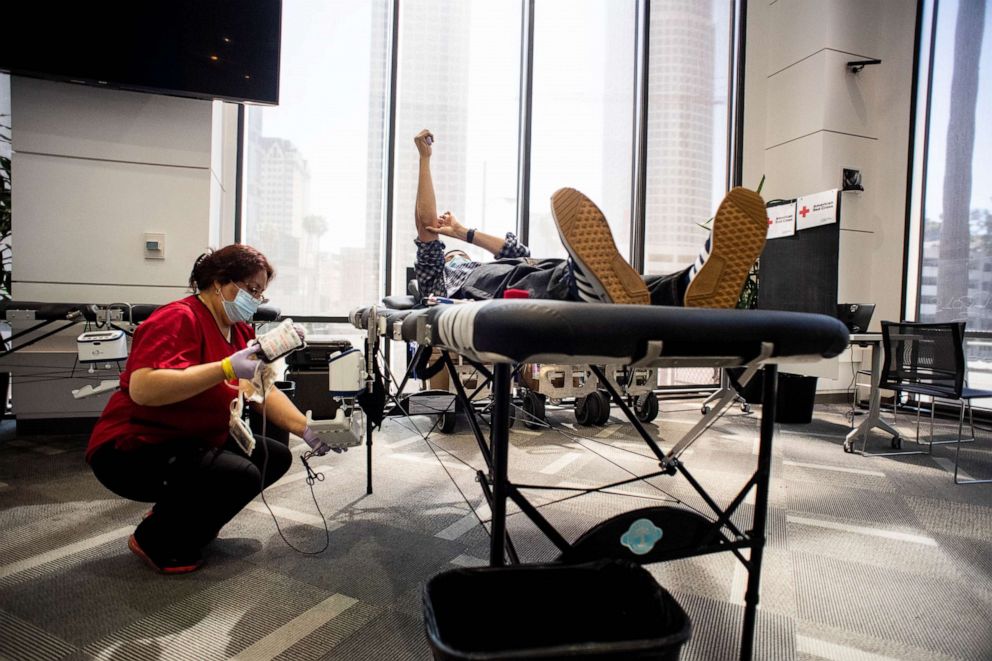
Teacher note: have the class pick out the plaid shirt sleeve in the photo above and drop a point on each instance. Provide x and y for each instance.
(429, 268)
(512, 248)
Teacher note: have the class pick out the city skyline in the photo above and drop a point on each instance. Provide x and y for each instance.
(475, 118)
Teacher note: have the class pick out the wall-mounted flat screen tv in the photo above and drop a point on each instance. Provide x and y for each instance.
(205, 49)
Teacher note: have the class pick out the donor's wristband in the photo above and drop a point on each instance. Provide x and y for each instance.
(228, 369)
(470, 236)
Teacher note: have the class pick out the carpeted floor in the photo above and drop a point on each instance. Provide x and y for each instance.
(867, 558)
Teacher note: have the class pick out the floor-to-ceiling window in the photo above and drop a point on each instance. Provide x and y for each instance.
(313, 164)
(316, 166)
(458, 76)
(583, 99)
(688, 122)
(953, 263)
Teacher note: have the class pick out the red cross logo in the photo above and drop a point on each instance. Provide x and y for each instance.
(803, 211)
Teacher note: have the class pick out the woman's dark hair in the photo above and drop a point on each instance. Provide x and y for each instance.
(233, 263)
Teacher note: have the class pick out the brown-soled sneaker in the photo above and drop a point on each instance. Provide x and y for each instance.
(736, 240)
(601, 273)
(167, 566)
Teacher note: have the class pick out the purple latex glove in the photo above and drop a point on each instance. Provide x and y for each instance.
(245, 362)
(318, 446)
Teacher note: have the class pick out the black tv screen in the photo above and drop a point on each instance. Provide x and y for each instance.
(206, 49)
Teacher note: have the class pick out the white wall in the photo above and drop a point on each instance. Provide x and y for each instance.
(95, 169)
(807, 117)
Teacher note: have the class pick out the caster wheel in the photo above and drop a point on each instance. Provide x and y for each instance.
(896, 442)
(604, 407)
(704, 410)
(745, 407)
(587, 410)
(646, 407)
(848, 448)
(447, 423)
(534, 410)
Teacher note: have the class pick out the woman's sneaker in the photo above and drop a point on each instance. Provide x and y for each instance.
(736, 240)
(600, 271)
(170, 565)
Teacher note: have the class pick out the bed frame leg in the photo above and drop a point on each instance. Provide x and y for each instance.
(768, 397)
(368, 456)
(499, 442)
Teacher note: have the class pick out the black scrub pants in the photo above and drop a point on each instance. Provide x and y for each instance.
(550, 279)
(196, 490)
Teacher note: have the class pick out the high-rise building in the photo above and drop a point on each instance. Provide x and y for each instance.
(433, 94)
(680, 133)
(278, 202)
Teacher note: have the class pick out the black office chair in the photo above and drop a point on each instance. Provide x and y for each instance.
(927, 360)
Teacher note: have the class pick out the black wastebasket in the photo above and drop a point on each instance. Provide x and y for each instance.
(796, 396)
(273, 431)
(606, 609)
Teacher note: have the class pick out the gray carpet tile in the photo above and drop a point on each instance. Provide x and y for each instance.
(816, 642)
(710, 576)
(332, 634)
(913, 552)
(891, 604)
(879, 556)
(21, 640)
(971, 561)
(102, 590)
(716, 631)
(372, 562)
(951, 518)
(214, 623)
(394, 635)
(856, 505)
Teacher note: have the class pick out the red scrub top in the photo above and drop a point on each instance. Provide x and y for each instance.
(177, 335)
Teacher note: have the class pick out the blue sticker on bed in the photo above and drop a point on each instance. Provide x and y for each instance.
(641, 537)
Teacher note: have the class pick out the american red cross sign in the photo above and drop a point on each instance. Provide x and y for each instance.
(803, 211)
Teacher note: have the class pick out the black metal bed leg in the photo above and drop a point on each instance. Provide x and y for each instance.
(768, 397)
(499, 442)
(368, 456)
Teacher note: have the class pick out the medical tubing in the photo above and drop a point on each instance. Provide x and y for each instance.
(261, 490)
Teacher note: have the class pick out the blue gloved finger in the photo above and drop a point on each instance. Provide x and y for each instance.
(339, 450)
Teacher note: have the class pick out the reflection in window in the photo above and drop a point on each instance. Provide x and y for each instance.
(459, 77)
(313, 179)
(688, 123)
(582, 113)
(956, 235)
(957, 227)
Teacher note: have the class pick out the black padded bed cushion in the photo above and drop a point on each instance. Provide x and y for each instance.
(88, 311)
(522, 330)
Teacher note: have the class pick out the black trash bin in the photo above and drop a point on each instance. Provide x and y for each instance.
(273, 431)
(606, 609)
(796, 396)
